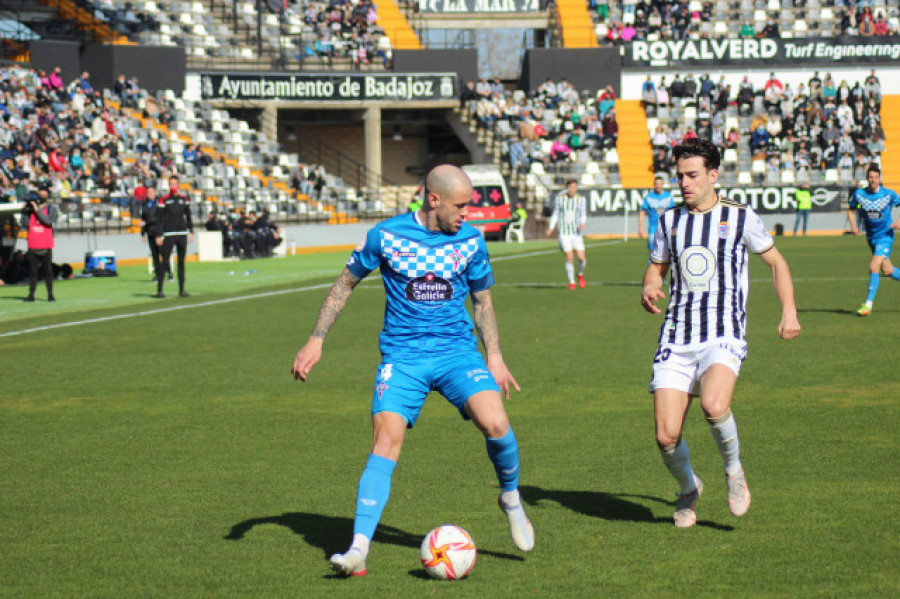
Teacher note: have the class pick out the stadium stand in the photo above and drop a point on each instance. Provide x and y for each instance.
(622, 22)
(98, 148)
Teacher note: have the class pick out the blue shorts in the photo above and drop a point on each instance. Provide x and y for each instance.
(881, 246)
(401, 387)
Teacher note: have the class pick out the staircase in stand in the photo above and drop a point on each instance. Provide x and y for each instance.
(890, 158)
(633, 146)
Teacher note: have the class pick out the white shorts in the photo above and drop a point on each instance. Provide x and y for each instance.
(681, 366)
(567, 243)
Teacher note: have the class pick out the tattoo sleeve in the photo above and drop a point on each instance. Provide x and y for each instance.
(334, 303)
(486, 321)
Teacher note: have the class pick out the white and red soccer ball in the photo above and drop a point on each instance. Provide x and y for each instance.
(448, 552)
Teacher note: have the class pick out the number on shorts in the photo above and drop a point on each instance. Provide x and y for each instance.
(662, 355)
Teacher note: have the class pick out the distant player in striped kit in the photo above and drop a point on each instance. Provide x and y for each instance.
(702, 341)
(570, 217)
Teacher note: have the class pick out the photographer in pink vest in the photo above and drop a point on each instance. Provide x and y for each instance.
(38, 217)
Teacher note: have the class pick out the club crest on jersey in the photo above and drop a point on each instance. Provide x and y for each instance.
(457, 258)
(430, 288)
(723, 229)
(381, 388)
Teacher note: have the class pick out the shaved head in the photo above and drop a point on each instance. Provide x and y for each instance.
(445, 178)
(448, 191)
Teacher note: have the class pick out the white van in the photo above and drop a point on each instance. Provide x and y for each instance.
(489, 208)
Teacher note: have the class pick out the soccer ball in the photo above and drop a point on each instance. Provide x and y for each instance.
(448, 552)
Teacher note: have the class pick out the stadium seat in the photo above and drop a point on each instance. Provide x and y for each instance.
(759, 16)
(721, 29)
(612, 157)
(730, 156)
(831, 175)
(587, 180)
(744, 178)
(787, 177)
(800, 28)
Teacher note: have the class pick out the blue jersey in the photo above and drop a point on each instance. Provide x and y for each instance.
(874, 209)
(427, 276)
(654, 205)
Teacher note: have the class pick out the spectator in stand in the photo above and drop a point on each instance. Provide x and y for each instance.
(468, 97)
(483, 89)
(770, 30)
(610, 129)
(559, 151)
(747, 30)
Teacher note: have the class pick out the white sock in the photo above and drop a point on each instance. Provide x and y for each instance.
(570, 272)
(725, 434)
(868, 304)
(581, 264)
(510, 498)
(361, 544)
(677, 459)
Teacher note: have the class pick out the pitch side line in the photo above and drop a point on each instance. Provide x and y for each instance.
(74, 323)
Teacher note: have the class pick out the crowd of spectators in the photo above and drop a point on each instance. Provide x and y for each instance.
(678, 20)
(72, 138)
(818, 126)
(551, 126)
(343, 29)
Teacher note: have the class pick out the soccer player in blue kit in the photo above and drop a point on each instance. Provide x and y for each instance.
(655, 203)
(430, 261)
(873, 205)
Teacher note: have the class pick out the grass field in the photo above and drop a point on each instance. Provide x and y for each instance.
(163, 449)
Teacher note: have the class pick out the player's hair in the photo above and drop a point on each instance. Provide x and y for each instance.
(690, 148)
(873, 168)
(570, 181)
(659, 178)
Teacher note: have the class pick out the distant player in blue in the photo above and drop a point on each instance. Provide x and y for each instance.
(430, 260)
(873, 206)
(655, 203)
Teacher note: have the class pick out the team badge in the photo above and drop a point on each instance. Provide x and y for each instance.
(381, 388)
(457, 257)
(723, 230)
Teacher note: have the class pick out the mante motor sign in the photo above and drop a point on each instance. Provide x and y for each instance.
(765, 200)
(328, 86)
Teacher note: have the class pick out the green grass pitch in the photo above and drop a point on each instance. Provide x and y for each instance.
(153, 453)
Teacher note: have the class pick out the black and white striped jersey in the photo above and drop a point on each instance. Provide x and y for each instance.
(569, 212)
(707, 254)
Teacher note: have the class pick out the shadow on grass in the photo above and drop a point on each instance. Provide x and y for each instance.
(608, 506)
(564, 286)
(828, 311)
(330, 533)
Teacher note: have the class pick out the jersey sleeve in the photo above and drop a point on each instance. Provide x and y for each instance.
(481, 275)
(582, 211)
(660, 251)
(852, 202)
(895, 198)
(367, 256)
(645, 205)
(755, 235)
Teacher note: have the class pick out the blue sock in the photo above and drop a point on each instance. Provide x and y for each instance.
(504, 454)
(874, 277)
(372, 494)
(895, 274)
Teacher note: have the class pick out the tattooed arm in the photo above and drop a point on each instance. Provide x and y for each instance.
(486, 324)
(334, 303)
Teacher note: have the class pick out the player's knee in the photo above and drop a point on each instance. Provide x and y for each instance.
(715, 406)
(667, 443)
(495, 427)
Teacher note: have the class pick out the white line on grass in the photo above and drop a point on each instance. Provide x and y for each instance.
(73, 323)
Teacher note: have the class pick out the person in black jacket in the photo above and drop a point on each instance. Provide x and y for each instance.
(173, 217)
(150, 229)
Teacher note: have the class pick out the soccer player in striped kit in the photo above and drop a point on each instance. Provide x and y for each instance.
(702, 342)
(570, 216)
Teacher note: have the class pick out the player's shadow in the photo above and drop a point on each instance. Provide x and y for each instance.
(330, 533)
(828, 311)
(607, 506)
